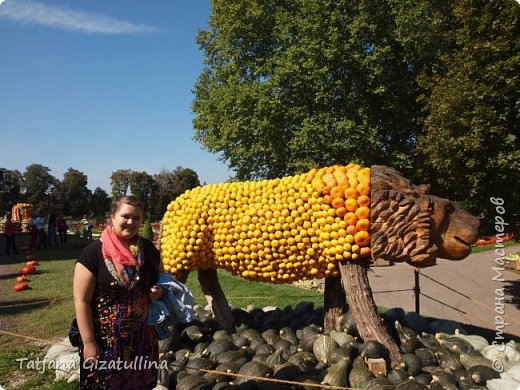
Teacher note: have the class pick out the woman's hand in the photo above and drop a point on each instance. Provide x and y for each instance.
(91, 354)
(156, 292)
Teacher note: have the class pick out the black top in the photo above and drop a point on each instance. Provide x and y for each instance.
(92, 258)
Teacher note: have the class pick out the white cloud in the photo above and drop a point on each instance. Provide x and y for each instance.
(31, 12)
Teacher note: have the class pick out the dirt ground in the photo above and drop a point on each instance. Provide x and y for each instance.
(470, 291)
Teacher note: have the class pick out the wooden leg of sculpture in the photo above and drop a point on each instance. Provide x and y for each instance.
(211, 288)
(334, 302)
(182, 276)
(361, 302)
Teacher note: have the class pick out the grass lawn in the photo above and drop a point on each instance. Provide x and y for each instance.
(482, 248)
(32, 320)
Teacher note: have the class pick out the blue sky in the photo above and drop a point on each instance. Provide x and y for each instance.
(100, 85)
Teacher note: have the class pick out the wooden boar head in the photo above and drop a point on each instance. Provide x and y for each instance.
(408, 224)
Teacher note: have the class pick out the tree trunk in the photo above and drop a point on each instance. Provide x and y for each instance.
(208, 280)
(361, 302)
(334, 302)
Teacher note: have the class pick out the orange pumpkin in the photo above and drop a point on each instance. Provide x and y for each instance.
(20, 287)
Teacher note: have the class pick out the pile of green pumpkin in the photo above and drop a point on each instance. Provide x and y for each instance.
(289, 349)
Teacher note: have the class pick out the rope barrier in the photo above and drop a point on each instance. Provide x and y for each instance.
(443, 285)
(491, 309)
(215, 372)
(33, 303)
(26, 337)
(442, 303)
(273, 380)
(390, 291)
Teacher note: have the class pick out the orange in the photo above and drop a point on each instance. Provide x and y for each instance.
(310, 175)
(351, 204)
(338, 202)
(337, 192)
(352, 171)
(362, 238)
(327, 199)
(363, 224)
(364, 252)
(351, 193)
(365, 172)
(350, 218)
(329, 180)
(341, 212)
(363, 212)
(340, 176)
(363, 200)
(363, 188)
(317, 184)
(351, 229)
(331, 169)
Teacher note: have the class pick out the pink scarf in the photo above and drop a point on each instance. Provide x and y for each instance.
(113, 250)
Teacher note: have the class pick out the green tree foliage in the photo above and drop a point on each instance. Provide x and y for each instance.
(430, 87)
(143, 186)
(185, 179)
(100, 202)
(471, 140)
(170, 184)
(165, 181)
(120, 181)
(11, 183)
(38, 187)
(75, 194)
(147, 230)
(293, 85)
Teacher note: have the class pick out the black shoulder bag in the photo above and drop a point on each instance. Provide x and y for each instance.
(74, 336)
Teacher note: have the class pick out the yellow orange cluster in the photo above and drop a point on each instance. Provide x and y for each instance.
(276, 231)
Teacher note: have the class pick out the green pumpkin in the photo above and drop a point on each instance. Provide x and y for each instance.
(479, 374)
(337, 374)
(359, 375)
(322, 347)
(195, 382)
(373, 349)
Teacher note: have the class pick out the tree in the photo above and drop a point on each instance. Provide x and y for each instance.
(120, 181)
(293, 85)
(471, 142)
(38, 186)
(184, 179)
(100, 202)
(143, 186)
(76, 195)
(170, 184)
(10, 189)
(165, 181)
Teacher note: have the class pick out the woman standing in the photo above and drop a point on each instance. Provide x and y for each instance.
(114, 279)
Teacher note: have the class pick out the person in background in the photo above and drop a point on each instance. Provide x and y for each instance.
(62, 229)
(87, 228)
(51, 230)
(39, 222)
(10, 230)
(114, 280)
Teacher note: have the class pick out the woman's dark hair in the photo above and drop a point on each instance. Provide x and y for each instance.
(127, 199)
